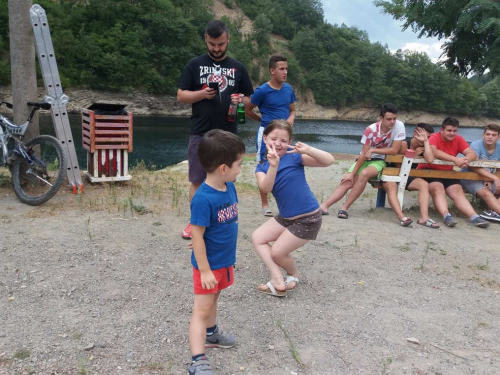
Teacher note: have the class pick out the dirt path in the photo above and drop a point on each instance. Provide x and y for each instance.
(90, 286)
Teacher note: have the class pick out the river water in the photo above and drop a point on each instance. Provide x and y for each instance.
(161, 141)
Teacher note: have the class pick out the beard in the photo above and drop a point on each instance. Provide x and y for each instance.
(217, 55)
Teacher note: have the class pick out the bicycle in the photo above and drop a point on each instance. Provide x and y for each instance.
(37, 167)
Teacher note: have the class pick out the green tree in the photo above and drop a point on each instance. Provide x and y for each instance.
(471, 29)
(262, 27)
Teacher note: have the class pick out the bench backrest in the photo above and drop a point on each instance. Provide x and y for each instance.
(434, 173)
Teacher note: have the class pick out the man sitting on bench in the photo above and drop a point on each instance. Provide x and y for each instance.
(379, 139)
(486, 149)
(420, 144)
(446, 145)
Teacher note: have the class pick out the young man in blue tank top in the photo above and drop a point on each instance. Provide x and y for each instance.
(276, 101)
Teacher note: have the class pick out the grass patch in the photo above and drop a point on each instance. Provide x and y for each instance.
(22, 354)
(385, 365)
(246, 187)
(4, 179)
(404, 248)
(429, 246)
(482, 267)
(293, 348)
(249, 158)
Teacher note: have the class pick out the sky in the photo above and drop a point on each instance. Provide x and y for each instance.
(380, 27)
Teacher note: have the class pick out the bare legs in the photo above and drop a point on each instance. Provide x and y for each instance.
(456, 194)
(491, 201)
(263, 199)
(204, 315)
(423, 198)
(277, 256)
(357, 187)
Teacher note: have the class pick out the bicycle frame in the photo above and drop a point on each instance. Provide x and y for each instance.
(8, 129)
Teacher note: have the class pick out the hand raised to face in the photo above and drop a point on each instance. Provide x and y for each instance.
(421, 135)
(299, 148)
(272, 156)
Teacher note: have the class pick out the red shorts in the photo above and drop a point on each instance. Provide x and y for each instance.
(224, 277)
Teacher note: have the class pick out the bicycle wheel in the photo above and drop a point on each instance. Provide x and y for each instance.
(36, 184)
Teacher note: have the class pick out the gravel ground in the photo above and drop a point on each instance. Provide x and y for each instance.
(90, 286)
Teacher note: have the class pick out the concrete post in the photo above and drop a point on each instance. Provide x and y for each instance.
(22, 62)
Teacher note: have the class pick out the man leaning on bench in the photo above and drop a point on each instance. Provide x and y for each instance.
(477, 175)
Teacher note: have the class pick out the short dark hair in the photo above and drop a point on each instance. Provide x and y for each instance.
(216, 28)
(429, 129)
(388, 107)
(273, 61)
(218, 147)
(450, 121)
(278, 124)
(493, 128)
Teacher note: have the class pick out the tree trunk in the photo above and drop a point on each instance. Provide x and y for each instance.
(22, 62)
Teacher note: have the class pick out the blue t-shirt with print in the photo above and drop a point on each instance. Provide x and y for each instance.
(273, 104)
(291, 191)
(217, 211)
(483, 154)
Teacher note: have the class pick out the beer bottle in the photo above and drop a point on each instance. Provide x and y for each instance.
(241, 111)
(231, 113)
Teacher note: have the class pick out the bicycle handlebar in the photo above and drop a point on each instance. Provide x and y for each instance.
(9, 105)
(42, 105)
(37, 105)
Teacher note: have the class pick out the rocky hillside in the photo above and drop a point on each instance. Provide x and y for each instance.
(147, 104)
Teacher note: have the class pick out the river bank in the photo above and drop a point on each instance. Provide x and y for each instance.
(141, 103)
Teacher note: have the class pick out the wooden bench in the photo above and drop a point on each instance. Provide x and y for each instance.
(401, 174)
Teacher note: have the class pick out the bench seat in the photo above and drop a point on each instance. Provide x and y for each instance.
(400, 174)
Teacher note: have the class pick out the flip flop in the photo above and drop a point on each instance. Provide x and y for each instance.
(289, 279)
(343, 215)
(271, 290)
(324, 212)
(429, 224)
(267, 212)
(406, 221)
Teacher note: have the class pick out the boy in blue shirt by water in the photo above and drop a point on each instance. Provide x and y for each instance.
(276, 101)
(214, 222)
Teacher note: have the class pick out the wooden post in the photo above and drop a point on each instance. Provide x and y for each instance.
(22, 63)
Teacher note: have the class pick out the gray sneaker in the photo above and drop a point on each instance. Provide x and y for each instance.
(479, 222)
(220, 339)
(490, 216)
(200, 367)
(449, 221)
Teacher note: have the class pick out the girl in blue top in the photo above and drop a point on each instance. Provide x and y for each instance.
(299, 218)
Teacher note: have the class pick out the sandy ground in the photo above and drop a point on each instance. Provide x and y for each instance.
(89, 285)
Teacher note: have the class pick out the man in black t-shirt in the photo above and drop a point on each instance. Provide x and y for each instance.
(209, 105)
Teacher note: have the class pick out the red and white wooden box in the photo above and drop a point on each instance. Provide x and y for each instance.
(108, 140)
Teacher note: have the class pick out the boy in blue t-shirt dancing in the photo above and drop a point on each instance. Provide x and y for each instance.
(276, 101)
(214, 221)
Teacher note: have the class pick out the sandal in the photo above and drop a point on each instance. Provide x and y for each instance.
(269, 289)
(288, 280)
(267, 212)
(343, 215)
(324, 212)
(405, 221)
(429, 224)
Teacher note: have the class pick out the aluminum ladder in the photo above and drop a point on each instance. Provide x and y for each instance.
(55, 95)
